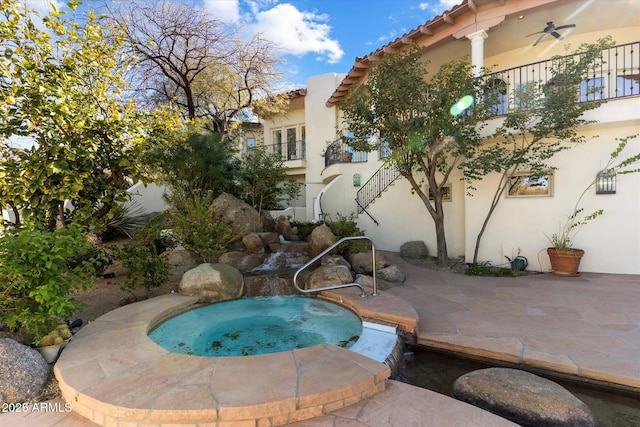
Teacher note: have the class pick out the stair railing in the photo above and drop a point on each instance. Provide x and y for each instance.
(342, 285)
(370, 190)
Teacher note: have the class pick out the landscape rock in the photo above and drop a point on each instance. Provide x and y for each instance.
(243, 261)
(268, 285)
(364, 280)
(334, 260)
(328, 275)
(253, 243)
(283, 228)
(523, 398)
(241, 215)
(362, 262)
(391, 274)
(320, 239)
(269, 237)
(23, 372)
(181, 257)
(414, 250)
(212, 283)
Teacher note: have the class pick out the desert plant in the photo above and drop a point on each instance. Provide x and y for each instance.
(145, 256)
(39, 271)
(563, 240)
(195, 225)
(145, 267)
(304, 228)
(345, 226)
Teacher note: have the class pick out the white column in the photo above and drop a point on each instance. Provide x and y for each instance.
(477, 50)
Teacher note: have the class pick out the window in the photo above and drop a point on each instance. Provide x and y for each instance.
(627, 85)
(251, 143)
(291, 144)
(277, 141)
(591, 89)
(498, 89)
(527, 184)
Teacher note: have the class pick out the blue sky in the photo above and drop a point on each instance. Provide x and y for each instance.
(322, 36)
(317, 36)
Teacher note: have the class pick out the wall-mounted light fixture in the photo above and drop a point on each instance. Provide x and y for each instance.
(606, 182)
(356, 180)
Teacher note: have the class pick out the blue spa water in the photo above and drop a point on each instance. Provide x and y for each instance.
(260, 325)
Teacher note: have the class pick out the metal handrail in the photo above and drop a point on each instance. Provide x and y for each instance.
(343, 285)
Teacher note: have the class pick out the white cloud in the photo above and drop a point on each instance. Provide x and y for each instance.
(297, 32)
(440, 6)
(224, 10)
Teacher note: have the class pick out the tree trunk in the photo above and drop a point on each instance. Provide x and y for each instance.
(437, 214)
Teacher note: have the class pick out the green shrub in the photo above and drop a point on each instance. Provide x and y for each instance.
(38, 273)
(304, 228)
(484, 268)
(143, 257)
(194, 224)
(345, 226)
(145, 268)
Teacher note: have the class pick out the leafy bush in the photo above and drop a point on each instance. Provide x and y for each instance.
(345, 226)
(194, 224)
(39, 270)
(485, 268)
(145, 267)
(143, 257)
(304, 228)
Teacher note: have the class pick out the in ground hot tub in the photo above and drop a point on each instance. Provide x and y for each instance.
(261, 325)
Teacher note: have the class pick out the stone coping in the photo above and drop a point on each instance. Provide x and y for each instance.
(113, 373)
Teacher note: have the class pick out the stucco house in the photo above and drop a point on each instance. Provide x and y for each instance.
(491, 33)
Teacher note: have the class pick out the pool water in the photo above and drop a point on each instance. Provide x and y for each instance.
(261, 325)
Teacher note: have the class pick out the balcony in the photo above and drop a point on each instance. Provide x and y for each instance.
(292, 150)
(339, 152)
(618, 76)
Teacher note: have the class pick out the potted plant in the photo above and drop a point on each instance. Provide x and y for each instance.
(565, 259)
(50, 345)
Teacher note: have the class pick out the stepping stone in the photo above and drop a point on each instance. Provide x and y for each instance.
(523, 398)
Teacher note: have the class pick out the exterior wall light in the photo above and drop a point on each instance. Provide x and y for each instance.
(356, 180)
(606, 182)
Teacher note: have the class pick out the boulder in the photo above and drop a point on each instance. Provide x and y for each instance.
(269, 237)
(320, 239)
(242, 216)
(23, 372)
(328, 275)
(253, 243)
(283, 228)
(523, 398)
(212, 283)
(414, 250)
(266, 285)
(391, 274)
(181, 257)
(364, 280)
(241, 260)
(334, 260)
(362, 262)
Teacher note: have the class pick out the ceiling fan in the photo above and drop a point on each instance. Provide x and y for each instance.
(551, 29)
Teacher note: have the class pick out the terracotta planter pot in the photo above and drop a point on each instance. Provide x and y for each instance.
(565, 263)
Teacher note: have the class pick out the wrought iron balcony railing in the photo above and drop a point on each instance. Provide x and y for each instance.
(339, 152)
(616, 76)
(291, 150)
